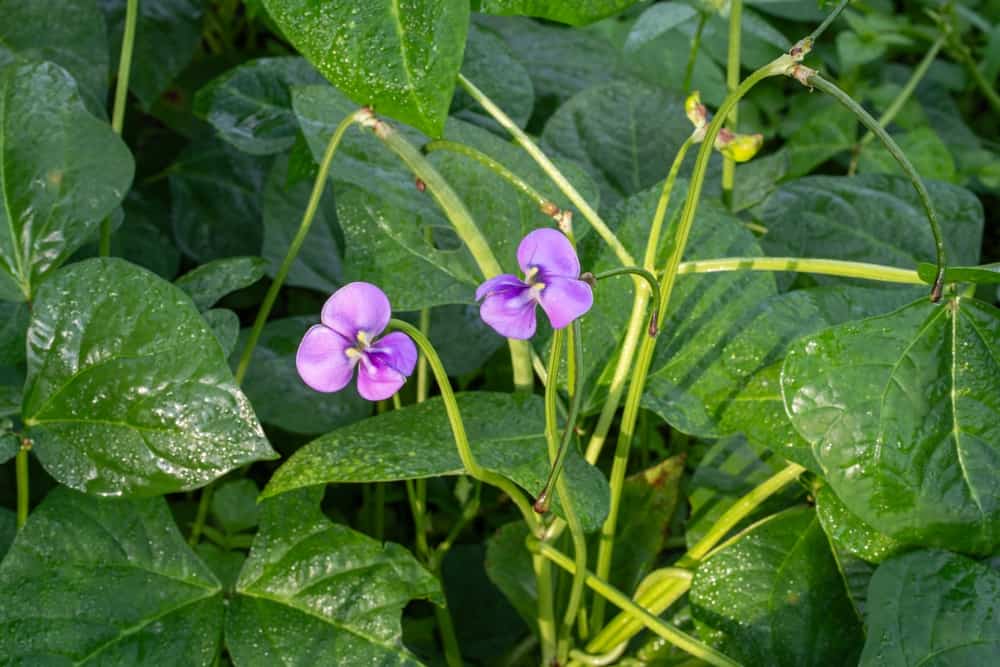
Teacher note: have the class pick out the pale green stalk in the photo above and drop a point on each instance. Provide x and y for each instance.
(23, 481)
(828, 267)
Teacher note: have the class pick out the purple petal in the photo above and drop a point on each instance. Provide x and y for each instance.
(357, 307)
(501, 283)
(398, 350)
(377, 380)
(550, 251)
(322, 361)
(565, 299)
(511, 312)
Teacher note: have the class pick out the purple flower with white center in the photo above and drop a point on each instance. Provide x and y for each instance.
(353, 317)
(551, 280)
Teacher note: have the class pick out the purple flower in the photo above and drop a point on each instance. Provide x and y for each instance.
(551, 279)
(352, 319)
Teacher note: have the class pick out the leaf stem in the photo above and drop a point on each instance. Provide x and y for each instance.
(496, 167)
(121, 96)
(665, 589)
(465, 227)
(648, 276)
(23, 481)
(732, 81)
(827, 22)
(201, 515)
(608, 592)
(319, 184)
(828, 267)
(693, 53)
(817, 80)
(899, 101)
(551, 170)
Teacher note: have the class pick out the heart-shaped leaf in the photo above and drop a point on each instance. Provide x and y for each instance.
(903, 413)
(128, 391)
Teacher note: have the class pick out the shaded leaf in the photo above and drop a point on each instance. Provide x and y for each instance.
(8, 529)
(114, 582)
(655, 21)
(928, 153)
(508, 565)
(127, 391)
(576, 13)
(495, 70)
(210, 282)
(225, 326)
(234, 505)
(13, 329)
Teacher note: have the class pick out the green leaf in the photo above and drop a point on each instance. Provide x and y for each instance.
(319, 262)
(854, 50)
(495, 70)
(606, 129)
(167, 33)
(13, 328)
(850, 533)
(210, 282)
(251, 105)
(984, 274)
(506, 433)
(463, 341)
(63, 172)
(234, 505)
(8, 529)
(74, 38)
(871, 218)
(775, 597)
(278, 394)
(400, 58)
(509, 567)
(580, 12)
(928, 153)
(215, 190)
(314, 592)
(902, 413)
(225, 326)
(827, 131)
(760, 42)
(114, 582)
(10, 444)
(655, 21)
(127, 390)
(932, 608)
(145, 236)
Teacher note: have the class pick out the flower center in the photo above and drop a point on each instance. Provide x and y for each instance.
(531, 279)
(359, 351)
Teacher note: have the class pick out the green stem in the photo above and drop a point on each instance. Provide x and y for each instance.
(828, 267)
(458, 427)
(693, 53)
(500, 170)
(319, 184)
(827, 22)
(465, 227)
(423, 380)
(830, 88)
(732, 81)
(648, 276)
(201, 515)
(23, 481)
(664, 589)
(677, 637)
(551, 170)
(121, 96)
(900, 100)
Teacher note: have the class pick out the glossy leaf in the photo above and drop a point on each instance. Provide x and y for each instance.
(656, 20)
(313, 591)
(605, 129)
(114, 582)
(850, 533)
(984, 274)
(902, 413)
(64, 171)
(251, 105)
(13, 328)
(495, 70)
(580, 12)
(506, 433)
(210, 282)
(278, 394)
(74, 39)
(932, 608)
(871, 218)
(225, 326)
(102, 330)
(775, 597)
(167, 33)
(216, 209)
(400, 58)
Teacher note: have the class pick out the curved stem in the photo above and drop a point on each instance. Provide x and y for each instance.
(500, 170)
(830, 18)
(828, 267)
(319, 184)
(23, 481)
(121, 97)
(608, 592)
(551, 170)
(897, 104)
(665, 590)
(817, 80)
(648, 276)
(732, 80)
(465, 227)
(693, 53)
(458, 426)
